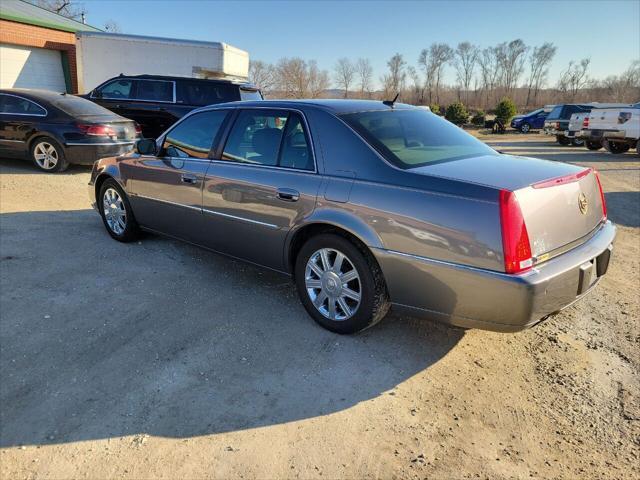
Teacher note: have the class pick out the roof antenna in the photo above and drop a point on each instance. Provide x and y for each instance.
(389, 103)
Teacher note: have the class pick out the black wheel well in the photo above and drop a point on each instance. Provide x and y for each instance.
(306, 232)
(103, 177)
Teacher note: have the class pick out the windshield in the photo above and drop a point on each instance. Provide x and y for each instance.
(413, 138)
(535, 112)
(79, 106)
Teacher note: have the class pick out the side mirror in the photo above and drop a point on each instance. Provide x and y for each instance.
(146, 146)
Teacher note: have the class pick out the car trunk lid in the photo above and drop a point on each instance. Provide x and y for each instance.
(124, 129)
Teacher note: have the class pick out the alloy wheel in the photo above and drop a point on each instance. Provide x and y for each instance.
(525, 128)
(115, 213)
(333, 284)
(46, 155)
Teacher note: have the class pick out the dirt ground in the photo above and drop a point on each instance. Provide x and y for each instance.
(161, 360)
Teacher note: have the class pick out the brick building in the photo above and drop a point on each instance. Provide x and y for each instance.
(37, 48)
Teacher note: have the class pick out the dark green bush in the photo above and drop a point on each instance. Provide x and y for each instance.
(478, 118)
(505, 110)
(457, 113)
(435, 108)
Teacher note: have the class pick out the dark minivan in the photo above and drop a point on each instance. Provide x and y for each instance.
(156, 102)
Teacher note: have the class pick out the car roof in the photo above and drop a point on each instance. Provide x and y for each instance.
(34, 93)
(335, 106)
(230, 81)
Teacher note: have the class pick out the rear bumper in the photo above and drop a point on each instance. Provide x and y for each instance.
(88, 153)
(476, 298)
(597, 135)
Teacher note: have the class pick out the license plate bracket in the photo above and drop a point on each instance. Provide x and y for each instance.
(592, 270)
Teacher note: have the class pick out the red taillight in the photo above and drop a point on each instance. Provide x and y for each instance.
(97, 130)
(585, 122)
(604, 204)
(557, 125)
(515, 239)
(138, 129)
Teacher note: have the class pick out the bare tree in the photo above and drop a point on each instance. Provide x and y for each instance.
(365, 75)
(397, 75)
(574, 78)
(511, 58)
(433, 62)
(318, 80)
(417, 87)
(539, 62)
(67, 8)
(466, 56)
(345, 72)
(292, 77)
(112, 26)
(489, 71)
(262, 75)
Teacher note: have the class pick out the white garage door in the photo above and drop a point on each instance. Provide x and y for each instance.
(28, 67)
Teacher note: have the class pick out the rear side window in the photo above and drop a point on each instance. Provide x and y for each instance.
(154, 90)
(194, 136)
(118, 89)
(271, 138)
(206, 93)
(20, 106)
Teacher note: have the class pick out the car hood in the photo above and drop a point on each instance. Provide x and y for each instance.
(507, 172)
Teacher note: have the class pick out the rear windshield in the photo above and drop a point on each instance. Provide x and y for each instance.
(247, 94)
(79, 106)
(555, 113)
(412, 138)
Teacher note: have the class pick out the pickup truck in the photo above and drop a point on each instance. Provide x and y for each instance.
(557, 122)
(616, 129)
(575, 127)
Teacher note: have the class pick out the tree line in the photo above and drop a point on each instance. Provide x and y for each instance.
(482, 77)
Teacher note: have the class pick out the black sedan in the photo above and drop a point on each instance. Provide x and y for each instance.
(55, 129)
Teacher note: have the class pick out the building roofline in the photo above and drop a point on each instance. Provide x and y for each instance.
(14, 17)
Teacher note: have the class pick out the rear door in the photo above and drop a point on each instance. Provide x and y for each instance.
(260, 185)
(166, 190)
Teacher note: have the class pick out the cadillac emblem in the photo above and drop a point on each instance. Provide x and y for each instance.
(583, 204)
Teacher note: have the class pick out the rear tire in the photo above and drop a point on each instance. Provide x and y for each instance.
(48, 155)
(615, 147)
(116, 212)
(562, 140)
(576, 142)
(593, 145)
(323, 277)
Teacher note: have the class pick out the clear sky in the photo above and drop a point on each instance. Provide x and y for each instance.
(607, 31)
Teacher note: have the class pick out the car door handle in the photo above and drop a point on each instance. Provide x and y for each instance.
(288, 194)
(189, 178)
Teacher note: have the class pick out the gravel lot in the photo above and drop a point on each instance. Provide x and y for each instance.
(159, 359)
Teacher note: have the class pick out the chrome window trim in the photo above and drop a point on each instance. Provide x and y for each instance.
(206, 210)
(92, 96)
(288, 169)
(46, 112)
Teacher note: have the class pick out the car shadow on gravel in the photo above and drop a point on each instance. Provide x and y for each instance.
(26, 167)
(623, 208)
(101, 339)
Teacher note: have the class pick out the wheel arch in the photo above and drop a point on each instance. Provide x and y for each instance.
(347, 226)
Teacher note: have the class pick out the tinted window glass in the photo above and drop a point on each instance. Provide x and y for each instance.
(555, 113)
(255, 137)
(250, 94)
(295, 151)
(411, 138)
(76, 106)
(154, 90)
(117, 89)
(206, 93)
(193, 137)
(21, 106)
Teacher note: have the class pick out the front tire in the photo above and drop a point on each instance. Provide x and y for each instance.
(48, 155)
(525, 128)
(116, 212)
(615, 147)
(562, 140)
(594, 145)
(340, 285)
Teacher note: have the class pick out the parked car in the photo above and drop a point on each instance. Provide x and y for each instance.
(368, 205)
(55, 129)
(617, 129)
(156, 102)
(529, 121)
(557, 122)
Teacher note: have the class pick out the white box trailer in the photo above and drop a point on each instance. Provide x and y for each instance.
(101, 56)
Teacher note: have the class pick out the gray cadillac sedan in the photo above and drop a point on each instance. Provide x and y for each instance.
(368, 206)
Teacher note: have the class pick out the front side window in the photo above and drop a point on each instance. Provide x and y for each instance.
(194, 136)
(269, 137)
(118, 89)
(154, 90)
(20, 106)
(413, 138)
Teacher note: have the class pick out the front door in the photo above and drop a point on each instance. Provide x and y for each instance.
(18, 117)
(166, 190)
(264, 182)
